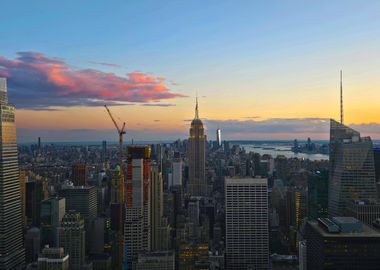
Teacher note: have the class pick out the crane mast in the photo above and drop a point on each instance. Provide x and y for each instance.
(120, 234)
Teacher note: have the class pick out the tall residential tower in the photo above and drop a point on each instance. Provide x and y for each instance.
(11, 242)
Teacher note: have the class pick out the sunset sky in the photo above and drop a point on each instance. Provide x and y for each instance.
(262, 69)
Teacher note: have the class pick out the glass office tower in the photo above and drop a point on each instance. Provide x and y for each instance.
(11, 242)
(352, 170)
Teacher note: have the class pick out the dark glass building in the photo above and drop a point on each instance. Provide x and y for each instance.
(341, 243)
(352, 169)
(318, 185)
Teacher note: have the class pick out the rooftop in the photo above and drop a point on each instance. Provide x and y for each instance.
(339, 227)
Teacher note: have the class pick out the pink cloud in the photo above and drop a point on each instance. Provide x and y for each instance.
(38, 81)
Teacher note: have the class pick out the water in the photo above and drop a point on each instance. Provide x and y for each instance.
(279, 149)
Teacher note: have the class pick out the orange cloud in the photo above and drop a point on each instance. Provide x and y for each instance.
(37, 81)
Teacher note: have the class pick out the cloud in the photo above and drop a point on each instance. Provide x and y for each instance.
(158, 105)
(274, 128)
(156, 120)
(282, 128)
(105, 64)
(251, 117)
(37, 81)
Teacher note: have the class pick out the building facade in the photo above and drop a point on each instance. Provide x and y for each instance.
(52, 212)
(352, 171)
(137, 227)
(53, 259)
(12, 252)
(247, 232)
(72, 239)
(318, 185)
(341, 243)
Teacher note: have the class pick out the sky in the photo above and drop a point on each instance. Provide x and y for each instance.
(261, 69)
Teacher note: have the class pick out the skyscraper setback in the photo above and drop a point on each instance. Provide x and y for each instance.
(196, 156)
(11, 243)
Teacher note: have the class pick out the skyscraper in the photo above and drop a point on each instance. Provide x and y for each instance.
(137, 223)
(36, 192)
(11, 243)
(156, 207)
(196, 156)
(177, 171)
(341, 243)
(79, 174)
(72, 239)
(52, 212)
(352, 171)
(247, 235)
(83, 200)
(219, 137)
(318, 183)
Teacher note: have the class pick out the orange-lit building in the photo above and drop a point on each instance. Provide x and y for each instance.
(137, 229)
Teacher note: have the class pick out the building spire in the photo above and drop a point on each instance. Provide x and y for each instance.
(196, 108)
(341, 99)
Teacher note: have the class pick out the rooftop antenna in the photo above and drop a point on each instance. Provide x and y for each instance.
(196, 107)
(341, 99)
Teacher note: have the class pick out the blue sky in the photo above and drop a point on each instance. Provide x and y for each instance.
(267, 53)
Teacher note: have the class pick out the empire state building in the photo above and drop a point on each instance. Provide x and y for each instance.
(196, 156)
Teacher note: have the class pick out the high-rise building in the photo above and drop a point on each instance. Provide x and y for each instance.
(318, 184)
(32, 244)
(376, 155)
(219, 137)
(176, 170)
(11, 243)
(23, 196)
(196, 157)
(156, 206)
(352, 170)
(72, 239)
(35, 193)
(52, 212)
(81, 199)
(137, 228)
(53, 259)
(247, 232)
(302, 258)
(296, 206)
(84, 200)
(79, 174)
(341, 243)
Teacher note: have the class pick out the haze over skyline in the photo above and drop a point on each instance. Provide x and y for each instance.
(258, 75)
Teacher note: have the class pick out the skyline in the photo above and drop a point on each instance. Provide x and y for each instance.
(278, 78)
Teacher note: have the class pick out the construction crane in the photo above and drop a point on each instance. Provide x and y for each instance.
(120, 234)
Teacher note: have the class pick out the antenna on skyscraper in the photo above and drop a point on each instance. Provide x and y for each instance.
(341, 98)
(196, 107)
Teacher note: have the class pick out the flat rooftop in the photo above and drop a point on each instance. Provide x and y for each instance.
(366, 232)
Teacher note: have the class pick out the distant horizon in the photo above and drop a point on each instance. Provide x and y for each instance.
(112, 142)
